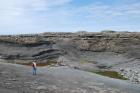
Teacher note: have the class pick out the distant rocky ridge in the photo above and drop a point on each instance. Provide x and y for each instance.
(118, 42)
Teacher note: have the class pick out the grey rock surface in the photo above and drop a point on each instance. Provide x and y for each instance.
(19, 79)
(86, 51)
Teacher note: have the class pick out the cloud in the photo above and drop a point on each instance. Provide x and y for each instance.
(101, 15)
(27, 14)
(20, 7)
(103, 10)
(61, 15)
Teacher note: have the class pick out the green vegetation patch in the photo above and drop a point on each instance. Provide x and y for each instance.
(85, 61)
(111, 74)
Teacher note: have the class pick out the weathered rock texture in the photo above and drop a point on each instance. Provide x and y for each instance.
(122, 48)
(119, 42)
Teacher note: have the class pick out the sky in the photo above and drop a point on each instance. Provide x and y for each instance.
(37, 16)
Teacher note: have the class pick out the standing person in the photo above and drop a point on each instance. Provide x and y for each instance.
(34, 68)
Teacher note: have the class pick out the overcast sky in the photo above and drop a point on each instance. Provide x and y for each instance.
(35, 16)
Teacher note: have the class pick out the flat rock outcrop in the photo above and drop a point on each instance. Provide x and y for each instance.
(58, 80)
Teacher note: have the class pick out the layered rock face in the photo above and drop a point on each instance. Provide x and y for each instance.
(31, 46)
(115, 42)
(52, 44)
(27, 47)
(46, 46)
